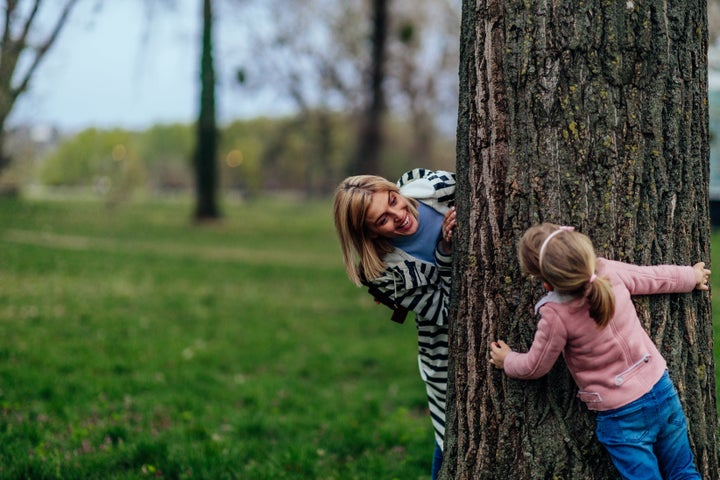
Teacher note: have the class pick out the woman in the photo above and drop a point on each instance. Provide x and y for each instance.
(397, 239)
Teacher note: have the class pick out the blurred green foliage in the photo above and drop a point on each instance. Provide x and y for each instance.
(305, 154)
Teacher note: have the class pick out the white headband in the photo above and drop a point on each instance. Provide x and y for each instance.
(547, 239)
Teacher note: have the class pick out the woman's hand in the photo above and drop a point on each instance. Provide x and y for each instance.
(701, 276)
(448, 227)
(498, 351)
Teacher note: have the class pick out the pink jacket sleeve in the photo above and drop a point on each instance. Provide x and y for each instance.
(647, 280)
(548, 344)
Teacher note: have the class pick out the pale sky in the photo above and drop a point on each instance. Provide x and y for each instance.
(102, 73)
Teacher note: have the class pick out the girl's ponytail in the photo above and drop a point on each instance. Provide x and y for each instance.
(601, 300)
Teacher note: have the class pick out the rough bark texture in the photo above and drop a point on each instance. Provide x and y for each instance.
(592, 114)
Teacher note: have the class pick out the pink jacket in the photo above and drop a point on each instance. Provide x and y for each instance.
(612, 366)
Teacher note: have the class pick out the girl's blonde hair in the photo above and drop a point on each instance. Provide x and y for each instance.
(566, 260)
(352, 199)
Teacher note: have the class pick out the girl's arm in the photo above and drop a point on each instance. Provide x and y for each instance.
(550, 339)
(646, 280)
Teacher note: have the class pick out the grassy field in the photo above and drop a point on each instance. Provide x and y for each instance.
(133, 345)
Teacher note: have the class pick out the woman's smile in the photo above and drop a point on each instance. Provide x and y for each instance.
(405, 222)
(388, 215)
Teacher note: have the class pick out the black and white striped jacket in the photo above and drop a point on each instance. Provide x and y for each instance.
(424, 288)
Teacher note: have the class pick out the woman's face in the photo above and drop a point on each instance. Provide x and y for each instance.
(389, 216)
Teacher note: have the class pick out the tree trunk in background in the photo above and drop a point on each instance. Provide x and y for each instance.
(590, 114)
(205, 156)
(18, 23)
(367, 155)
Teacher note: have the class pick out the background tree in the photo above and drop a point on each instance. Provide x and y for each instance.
(713, 20)
(367, 155)
(310, 77)
(205, 151)
(206, 146)
(324, 72)
(22, 49)
(328, 70)
(593, 115)
(422, 71)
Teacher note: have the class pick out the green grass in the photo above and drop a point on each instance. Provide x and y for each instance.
(134, 345)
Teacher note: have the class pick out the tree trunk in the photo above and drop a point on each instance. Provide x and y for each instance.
(205, 156)
(367, 155)
(591, 114)
(5, 158)
(18, 23)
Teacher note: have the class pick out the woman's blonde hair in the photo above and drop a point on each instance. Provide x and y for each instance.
(352, 199)
(566, 260)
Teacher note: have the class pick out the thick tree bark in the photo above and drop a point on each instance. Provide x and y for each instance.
(592, 114)
(205, 156)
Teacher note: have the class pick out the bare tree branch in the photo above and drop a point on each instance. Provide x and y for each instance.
(44, 47)
(28, 23)
(13, 83)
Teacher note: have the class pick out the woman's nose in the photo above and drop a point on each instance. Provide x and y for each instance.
(397, 215)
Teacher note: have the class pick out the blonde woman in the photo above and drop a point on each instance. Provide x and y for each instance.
(397, 239)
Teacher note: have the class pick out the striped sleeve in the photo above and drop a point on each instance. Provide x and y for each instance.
(421, 287)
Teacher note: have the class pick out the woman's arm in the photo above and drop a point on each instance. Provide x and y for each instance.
(421, 287)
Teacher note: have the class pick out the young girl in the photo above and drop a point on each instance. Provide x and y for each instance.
(401, 235)
(589, 317)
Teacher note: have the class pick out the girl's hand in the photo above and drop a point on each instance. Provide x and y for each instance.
(448, 227)
(498, 352)
(701, 276)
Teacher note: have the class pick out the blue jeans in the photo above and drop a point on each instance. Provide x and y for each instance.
(647, 439)
(437, 461)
